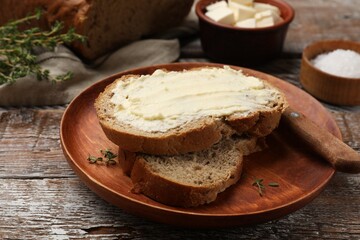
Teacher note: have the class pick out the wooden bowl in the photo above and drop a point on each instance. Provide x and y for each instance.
(243, 46)
(325, 86)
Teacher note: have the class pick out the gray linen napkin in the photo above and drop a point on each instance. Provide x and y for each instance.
(28, 91)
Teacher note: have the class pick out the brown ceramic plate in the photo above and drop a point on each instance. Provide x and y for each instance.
(301, 174)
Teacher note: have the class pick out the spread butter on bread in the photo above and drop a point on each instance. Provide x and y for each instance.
(176, 112)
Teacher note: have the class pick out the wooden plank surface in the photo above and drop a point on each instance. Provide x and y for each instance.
(42, 198)
(322, 19)
(65, 208)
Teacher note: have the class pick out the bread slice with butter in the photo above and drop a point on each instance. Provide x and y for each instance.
(192, 179)
(175, 112)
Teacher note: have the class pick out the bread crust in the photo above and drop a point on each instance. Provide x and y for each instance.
(191, 137)
(172, 193)
(107, 25)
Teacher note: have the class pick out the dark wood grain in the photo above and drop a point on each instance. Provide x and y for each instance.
(64, 208)
(30, 145)
(320, 20)
(342, 157)
(42, 198)
(52, 202)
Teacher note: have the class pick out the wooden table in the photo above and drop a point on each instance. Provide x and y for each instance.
(42, 198)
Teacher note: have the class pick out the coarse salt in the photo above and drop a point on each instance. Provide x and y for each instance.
(340, 62)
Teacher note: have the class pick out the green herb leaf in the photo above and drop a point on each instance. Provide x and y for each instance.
(111, 162)
(93, 159)
(107, 154)
(273, 184)
(260, 186)
(17, 58)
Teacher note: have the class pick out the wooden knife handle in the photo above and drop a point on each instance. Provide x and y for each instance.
(342, 157)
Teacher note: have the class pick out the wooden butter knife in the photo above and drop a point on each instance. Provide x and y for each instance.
(342, 157)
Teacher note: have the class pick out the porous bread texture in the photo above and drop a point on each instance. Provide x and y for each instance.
(246, 145)
(193, 136)
(106, 24)
(113, 23)
(192, 179)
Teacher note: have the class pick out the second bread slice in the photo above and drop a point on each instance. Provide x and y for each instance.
(189, 180)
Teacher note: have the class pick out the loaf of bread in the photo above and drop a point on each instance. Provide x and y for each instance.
(170, 113)
(106, 24)
(192, 179)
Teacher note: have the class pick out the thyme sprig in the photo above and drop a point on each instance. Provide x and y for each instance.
(258, 182)
(17, 57)
(260, 186)
(107, 157)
